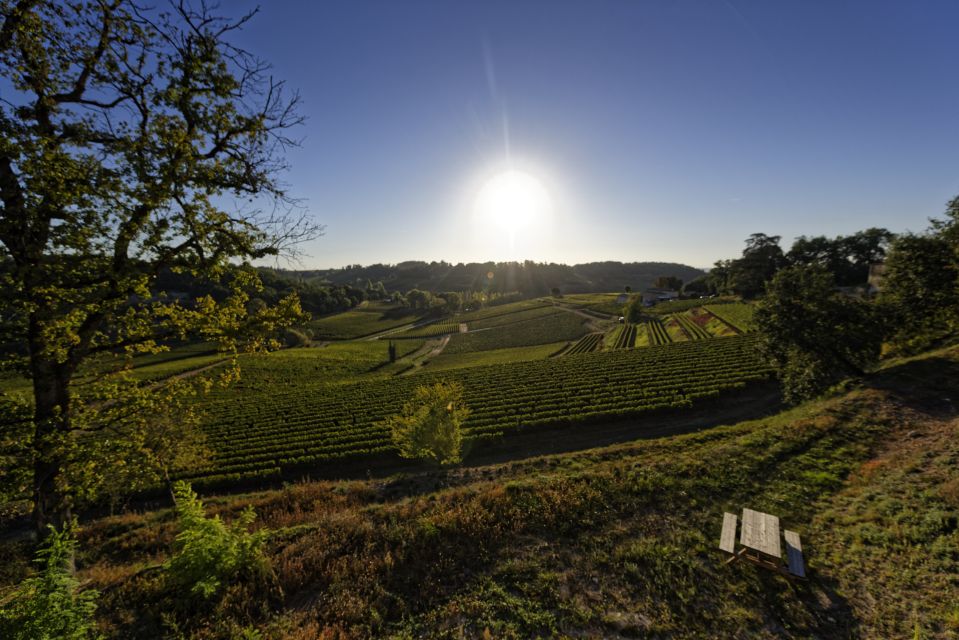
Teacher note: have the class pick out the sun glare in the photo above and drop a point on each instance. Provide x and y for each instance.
(513, 201)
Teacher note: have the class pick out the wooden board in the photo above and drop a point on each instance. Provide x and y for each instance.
(794, 554)
(727, 539)
(760, 532)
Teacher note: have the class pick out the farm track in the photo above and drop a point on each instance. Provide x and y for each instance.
(431, 352)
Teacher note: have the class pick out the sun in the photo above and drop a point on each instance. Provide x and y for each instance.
(513, 201)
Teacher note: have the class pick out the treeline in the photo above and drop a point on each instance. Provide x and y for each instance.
(815, 333)
(847, 258)
(527, 278)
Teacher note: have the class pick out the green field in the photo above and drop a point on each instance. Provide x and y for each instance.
(494, 356)
(737, 315)
(502, 309)
(431, 330)
(361, 322)
(149, 367)
(603, 303)
(551, 328)
(516, 316)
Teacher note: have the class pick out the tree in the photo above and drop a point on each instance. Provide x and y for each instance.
(124, 131)
(418, 299)
(428, 427)
(668, 282)
(920, 288)
(555, 292)
(454, 301)
(698, 287)
(761, 258)
(848, 258)
(813, 335)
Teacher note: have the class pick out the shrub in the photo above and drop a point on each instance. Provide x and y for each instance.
(210, 553)
(429, 427)
(51, 604)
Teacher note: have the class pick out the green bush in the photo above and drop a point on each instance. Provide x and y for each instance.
(210, 553)
(429, 427)
(50, 605)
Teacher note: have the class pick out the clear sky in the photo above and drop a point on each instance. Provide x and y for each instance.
(661, 130)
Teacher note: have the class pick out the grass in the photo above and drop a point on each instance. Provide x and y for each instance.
(599, 302)
(516, 316)
(148, 367)
(362, 322)
(552, 328)
(738, 315)
(612, 542)
(446, 361)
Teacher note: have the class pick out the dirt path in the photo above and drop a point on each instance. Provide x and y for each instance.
(594, 326)
(399, 329)
(419, 358)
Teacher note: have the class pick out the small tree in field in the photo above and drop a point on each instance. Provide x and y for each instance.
(428, 427)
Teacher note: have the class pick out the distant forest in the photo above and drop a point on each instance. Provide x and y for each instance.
(529, 278)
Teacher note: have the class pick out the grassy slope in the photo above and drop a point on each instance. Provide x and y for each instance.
(361, 322)
(614, 542)
(494, 356)
(552, 328)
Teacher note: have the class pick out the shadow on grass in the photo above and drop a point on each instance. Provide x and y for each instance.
(928, 385)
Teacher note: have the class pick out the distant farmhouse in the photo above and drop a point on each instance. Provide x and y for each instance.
(877, 272)
(653, 296)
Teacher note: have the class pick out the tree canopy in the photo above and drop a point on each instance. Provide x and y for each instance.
(814, 335)
(127, 137)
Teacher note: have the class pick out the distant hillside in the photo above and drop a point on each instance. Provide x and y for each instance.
(532, 278)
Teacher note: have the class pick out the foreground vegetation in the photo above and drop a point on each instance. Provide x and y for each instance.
(613, 542)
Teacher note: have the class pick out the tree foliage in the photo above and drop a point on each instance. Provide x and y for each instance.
(125, 133)
(920, 287)
(50, 604)
(813, 335)
(429, 426)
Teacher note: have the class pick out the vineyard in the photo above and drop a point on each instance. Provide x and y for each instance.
(552, 328)
(657, 332)
(502, 310)
(494, 356)
(586, 344)
(516, 316)
(266, 424)
(361, 322)
(693, 330)
(427, 331)
(625, 337)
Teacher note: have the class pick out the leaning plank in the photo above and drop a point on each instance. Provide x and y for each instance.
(727, 539)
(794, 554)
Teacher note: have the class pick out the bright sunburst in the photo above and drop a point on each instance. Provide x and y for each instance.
(514, 201)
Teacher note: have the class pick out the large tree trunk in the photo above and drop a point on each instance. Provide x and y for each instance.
(51, 393)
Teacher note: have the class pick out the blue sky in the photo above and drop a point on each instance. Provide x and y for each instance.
(661, 130)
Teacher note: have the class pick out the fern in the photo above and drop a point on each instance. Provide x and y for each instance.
(51, 605)
(208, 552)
